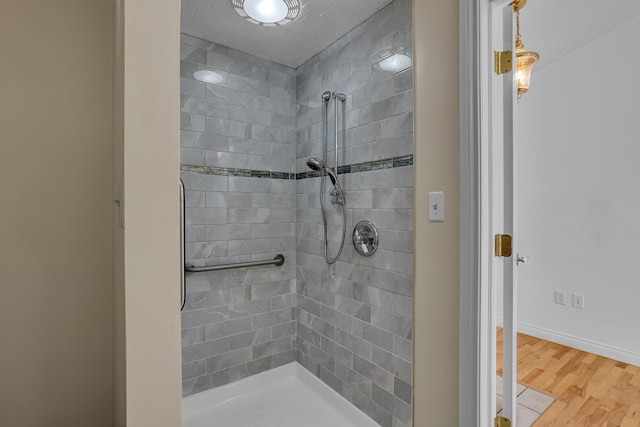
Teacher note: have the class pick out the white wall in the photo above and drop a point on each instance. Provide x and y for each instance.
(579, 196)
(56, 299)
(436, 157)
(146, 253)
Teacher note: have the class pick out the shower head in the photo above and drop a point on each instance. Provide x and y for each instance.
(315, 164)
(318, 165)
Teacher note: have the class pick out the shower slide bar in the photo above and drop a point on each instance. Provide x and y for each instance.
(277, 261)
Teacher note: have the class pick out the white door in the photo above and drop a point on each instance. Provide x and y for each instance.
(504, 147)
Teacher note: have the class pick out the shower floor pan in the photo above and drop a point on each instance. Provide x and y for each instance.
(287, 396)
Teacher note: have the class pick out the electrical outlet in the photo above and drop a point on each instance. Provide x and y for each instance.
(578, 301)
(560, 297)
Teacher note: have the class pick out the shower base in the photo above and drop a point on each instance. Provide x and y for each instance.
(287, 396)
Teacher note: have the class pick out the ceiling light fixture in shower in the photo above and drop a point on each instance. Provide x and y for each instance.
(208, 76)
(393, 59)
(396, 62)
(267, 12)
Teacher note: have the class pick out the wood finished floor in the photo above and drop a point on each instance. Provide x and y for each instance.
(590, 390)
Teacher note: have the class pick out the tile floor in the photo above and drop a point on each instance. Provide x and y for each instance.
(531, 403)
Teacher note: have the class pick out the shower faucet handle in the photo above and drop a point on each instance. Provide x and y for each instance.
(365, 238)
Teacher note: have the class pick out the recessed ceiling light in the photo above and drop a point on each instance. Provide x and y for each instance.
(396, 62)
(208, 76)
(267, 12)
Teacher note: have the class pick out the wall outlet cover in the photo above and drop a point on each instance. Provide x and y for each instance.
(560, 297)
(578, 301)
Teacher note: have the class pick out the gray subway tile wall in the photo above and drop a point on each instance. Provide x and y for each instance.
(355, 318)
(237, 153)
(245, 140)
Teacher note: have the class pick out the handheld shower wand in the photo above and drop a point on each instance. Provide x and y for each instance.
(318, 165)
(338, 198)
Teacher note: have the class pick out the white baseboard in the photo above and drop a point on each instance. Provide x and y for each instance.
(600, 349)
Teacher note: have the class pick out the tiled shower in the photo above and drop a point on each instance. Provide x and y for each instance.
(245, 139)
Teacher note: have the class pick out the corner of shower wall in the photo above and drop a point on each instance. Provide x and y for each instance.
(355, 318)
(237, 151)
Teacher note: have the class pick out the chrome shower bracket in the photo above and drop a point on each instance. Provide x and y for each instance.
(365, 238)
(337, 196)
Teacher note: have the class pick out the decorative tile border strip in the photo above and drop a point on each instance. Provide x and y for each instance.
(395, 162)
(248, 173)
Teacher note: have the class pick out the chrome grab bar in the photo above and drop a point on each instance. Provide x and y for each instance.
(277, 261)
(183, 278)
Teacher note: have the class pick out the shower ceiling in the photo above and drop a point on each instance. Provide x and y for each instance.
(320, 23)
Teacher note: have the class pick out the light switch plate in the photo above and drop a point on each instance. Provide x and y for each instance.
(436, 206)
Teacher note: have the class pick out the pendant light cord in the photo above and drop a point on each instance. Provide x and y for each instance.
(518, 38)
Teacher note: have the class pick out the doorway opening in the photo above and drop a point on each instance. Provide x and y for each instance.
(566, 168)
(291, 136)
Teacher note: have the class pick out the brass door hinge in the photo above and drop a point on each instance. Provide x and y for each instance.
(503, 245)
(502, 422)
(502, 61)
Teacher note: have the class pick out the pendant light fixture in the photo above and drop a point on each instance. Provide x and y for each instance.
(525, 60)
(268, 13)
